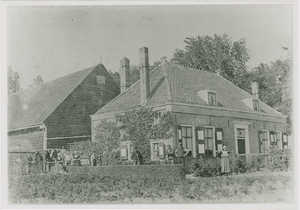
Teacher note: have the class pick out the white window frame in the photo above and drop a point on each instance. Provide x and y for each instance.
(194, 152)
(269, 140)
(280, 134)
(214, 140)
(247, 143)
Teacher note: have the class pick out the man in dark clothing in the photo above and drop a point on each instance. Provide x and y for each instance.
(170, 154)
(180, 153)
(30, 160)
(137, 157)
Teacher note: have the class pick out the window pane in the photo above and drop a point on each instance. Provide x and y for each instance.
(179, 134)
(278, 136)
(189, 143)
(210, 132)
(210, 143)
(183, 131)
(189, 132)
(184, 142)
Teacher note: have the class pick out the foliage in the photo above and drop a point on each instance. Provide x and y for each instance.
(13, 81)
(110, 184)
(94, 184)
(215, 54)
(279, 159)
(36, 81)
(205, 168)
(139, 126)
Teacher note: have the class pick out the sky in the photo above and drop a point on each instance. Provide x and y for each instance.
(53, 41)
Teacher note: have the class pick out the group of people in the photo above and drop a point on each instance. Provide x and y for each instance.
(60, 159)
(181, 152)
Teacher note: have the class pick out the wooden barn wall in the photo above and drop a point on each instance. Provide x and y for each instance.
(72, 118)
(59, 143)
(35, 138)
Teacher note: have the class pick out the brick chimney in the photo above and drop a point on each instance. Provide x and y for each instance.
(144, 75)
(254, 86)
(124, 74)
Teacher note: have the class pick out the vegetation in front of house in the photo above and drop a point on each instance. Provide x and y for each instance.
(139, 126)
(279, 159)
(146, 184)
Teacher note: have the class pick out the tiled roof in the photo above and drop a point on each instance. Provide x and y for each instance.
(32, 106)
(174, 83)
(20, 146)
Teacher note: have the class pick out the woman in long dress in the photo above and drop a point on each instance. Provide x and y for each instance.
(225, 168)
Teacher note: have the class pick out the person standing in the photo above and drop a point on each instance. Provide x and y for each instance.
(170, 154)
(136, 156)
(225, 168)
(77, 159)
(180, 153)
(19, 162)
(29, 162)
(93, 159)
(68, 158)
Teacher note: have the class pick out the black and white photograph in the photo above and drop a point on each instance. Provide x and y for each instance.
(176, 104)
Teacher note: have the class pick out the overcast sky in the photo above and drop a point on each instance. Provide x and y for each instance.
(59, 40)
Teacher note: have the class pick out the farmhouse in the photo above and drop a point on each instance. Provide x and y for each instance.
(56, 113)
(209, 111)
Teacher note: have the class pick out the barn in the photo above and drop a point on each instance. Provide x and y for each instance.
(56, 113)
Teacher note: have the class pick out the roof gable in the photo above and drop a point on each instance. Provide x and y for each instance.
(32, 106)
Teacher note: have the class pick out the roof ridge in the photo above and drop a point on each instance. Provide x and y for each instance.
(35, 86)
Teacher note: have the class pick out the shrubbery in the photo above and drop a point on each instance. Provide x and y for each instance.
(97, 184)
(279, 159)
(174, 172)
(205, 168)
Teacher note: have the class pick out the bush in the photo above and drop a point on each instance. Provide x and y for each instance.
(174, 172)
(279, 159)
(97, 184)
(205, 168)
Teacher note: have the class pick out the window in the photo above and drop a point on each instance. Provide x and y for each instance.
(264, 141)
(208, 141)
(278, 140)
(209, 96)
(155, 151)
(185, 136)
(255, 105)
(212, 99)
(126, 150)
(101, 80)
(241, 140)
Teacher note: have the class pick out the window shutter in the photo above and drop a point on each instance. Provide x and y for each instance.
(161, 148)
(123, 151)
(200, 140)
(284, 140)
(260, 137)
(219, 139)
(179, 134)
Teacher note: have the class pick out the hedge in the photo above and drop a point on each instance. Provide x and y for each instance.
(174, 172)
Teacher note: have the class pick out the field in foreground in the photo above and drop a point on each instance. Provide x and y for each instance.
(141, 188)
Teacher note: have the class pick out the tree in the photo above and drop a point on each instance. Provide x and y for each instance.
(13, 81)
(38, 80)
(275, 87)
(139, 126)
(217, 54)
